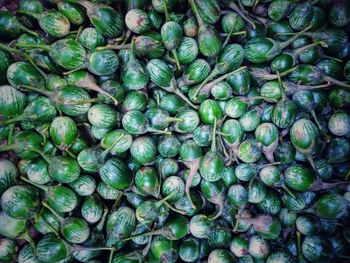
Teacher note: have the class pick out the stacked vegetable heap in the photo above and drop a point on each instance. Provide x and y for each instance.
(173, 131)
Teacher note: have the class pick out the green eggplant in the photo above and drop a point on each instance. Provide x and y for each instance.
(230, 58)
(220, 256)
(85, 185)
(278, 9)
(208, 39)
(239, 246)
(304, 135)
(23, 73)
(25, 144)
(116, 141)
(190, 27)
(258, 247)
(262, 49)
(120, 225)
(338, 150)
(267, 134)
(144, 150)
(301, 16)
(161, 75)
(104, 62)
(6, 60)
(92, 209)
(52, 22)
(67, 53)
(339, 13)
(74, 13)
(249, 151)
(168, 146)
(12, 101)
(116, 174)
(237, 195)
(134, 74)
(137, 21)
(210, 112)
(52, 249)
(146, 181)
(315, 248)
(187, 50)
(11, 27)
(7, 249)
(189, 250)
(202, 135)
(171, 33)
(103, 115)
(90, 38)
(41, 109)
(8, 174)
(107, 21)
(63, 132)
(20, 202)
(339, 123)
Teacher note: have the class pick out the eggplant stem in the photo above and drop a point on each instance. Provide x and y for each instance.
(211, 84)
(114, 47)
(79, 102)
(212, 75)
(182, 96)
(70, 153)
(10, 49)
(7, 147)
(193, 171)
(13, 120)
(200, 21)
(11, 133)
(107, 151)
(283, 93)
(218, 213)
(28, 30)
(78, 33)
(300, 253)
(80, 248)
(41, 46)
(102, 221)
(335, 81)
(236, 8)
(333, 58)
(302, 49)
(25, 236)
(181, 212)
(311, 161)
(91, 85)
(150, 129)
(41, 187)
(46, 93)
(53, 211)
(177, 62)
(285, 188)
(285, 44)
(111, 254)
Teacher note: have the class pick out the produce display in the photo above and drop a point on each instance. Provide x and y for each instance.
(151, 131)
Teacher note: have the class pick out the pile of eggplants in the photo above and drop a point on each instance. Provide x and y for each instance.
(210, 131)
